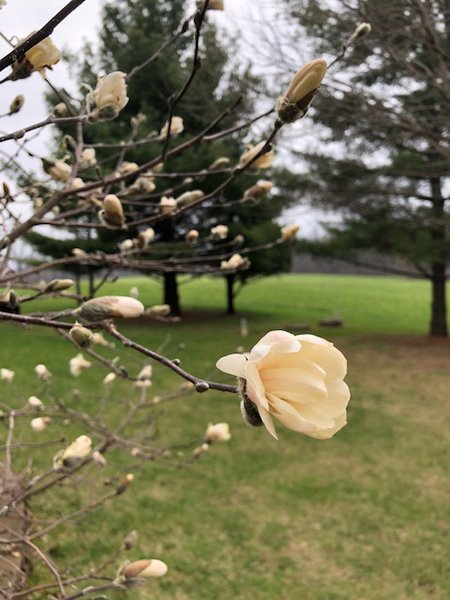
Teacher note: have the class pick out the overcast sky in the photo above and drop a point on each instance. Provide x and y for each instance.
(251, 18)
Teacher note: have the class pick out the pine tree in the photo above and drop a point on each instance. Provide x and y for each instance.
(132, 31)
(386, 108)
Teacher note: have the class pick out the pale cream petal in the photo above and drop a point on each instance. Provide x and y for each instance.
(326, 434)
(330, 359)
(313, 339)
(294, 380)
(290, 418)
(312, 413)
(331, 406)
(267, 343)
(268, 422)
(255, 388)
(234, 364)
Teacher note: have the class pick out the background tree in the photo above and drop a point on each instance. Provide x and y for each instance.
(383, 146)
(145, 25)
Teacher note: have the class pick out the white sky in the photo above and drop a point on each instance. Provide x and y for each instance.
(249, 18)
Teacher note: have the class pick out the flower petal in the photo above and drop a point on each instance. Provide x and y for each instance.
(326, 434)
(268, 422)
(234, 364)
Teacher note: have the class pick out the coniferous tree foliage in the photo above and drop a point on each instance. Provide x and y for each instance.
(386, 106)
(131, 31)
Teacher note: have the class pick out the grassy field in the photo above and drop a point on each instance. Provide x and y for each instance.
(364, 516)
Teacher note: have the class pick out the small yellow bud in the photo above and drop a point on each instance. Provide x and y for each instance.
(81, 335)
(58, 285)
(302, 89)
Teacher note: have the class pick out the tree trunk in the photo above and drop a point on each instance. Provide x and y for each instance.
(230, 279)
(438, 323)
(171, 296)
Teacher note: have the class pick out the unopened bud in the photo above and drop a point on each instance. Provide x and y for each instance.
(16, 104)
(81, 335)
(58, 285)
(124, 483)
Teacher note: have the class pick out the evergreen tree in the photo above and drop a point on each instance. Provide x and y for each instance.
(132, 30)
(386, 110)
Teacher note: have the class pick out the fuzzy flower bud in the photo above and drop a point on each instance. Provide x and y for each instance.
(81, 335)
(159, 310)
(112, 214)
(88, 158)
(34, 402)
(74, 454)
(16, 104)
(220, 432)
(58, 285)
(109, 378)
(304, 85)
(77, 364)
(42, 372)
(60, 109)
(58, 169)
(39, 423)
(289, 232)
(144, 377)
(146, 237)
(259, 190)
(192, 236)
(7, 375)
(107, 307)
(189, 198)
(144, 569)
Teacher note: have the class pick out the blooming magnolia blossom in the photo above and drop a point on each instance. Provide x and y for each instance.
(220, 432)
(42, 55)
(219, 232)
(7, 375)
(109, 97)
(176, 127)
(235, 262)
(296, 379)
(74, 453)
(77, 364)
(42, 372)
(262, 162)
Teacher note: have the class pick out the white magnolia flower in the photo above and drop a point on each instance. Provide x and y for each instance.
(220, 432)
(234, 263)
(34, 402)
(74, 453)
(109, 97)
(77, 364)
(262, 162)
(88, 158)
(167, 205)
(109, 378)
(39, 423)
(42, 55)
(296, 379)
(144, 377)
(176, 127)
(59, 170)
(219, 232)
(289, 232)
(7, 375)
(42, 372)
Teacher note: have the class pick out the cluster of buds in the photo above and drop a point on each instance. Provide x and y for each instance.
(108, 98)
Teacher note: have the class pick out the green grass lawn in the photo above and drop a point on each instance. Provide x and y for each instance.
(364, 515)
